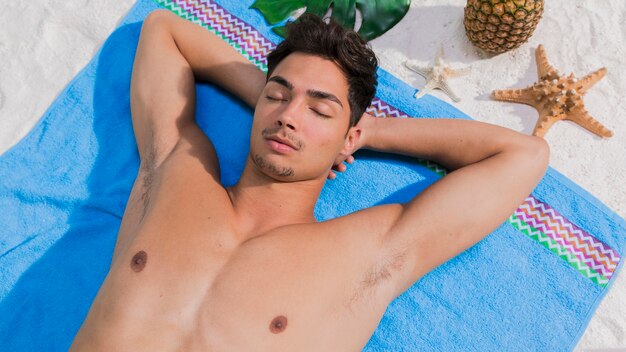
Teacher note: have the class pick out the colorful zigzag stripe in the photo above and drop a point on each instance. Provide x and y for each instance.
(585, 253)
(240, 35)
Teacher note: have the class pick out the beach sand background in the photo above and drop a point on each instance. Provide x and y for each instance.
(44, 44)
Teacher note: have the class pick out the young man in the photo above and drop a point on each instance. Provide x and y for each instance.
(248, 268)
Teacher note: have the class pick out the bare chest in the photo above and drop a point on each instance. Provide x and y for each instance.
(272, 293)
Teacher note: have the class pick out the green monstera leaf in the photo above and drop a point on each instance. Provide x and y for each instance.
(377, 16)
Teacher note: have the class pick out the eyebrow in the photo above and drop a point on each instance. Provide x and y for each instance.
(316, 94)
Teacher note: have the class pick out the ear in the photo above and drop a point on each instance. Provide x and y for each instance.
(351, 144)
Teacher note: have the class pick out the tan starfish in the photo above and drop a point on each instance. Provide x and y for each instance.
(557, 97)
(437, 76)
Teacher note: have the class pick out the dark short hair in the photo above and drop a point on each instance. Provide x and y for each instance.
(309, 34)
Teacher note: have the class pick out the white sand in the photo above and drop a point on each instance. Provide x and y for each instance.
(44, 44)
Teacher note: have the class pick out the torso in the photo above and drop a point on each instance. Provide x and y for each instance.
(180, 281)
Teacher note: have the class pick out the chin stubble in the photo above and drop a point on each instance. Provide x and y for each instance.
(278, 171)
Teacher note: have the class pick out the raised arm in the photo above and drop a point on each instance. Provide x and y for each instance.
(172, 53)
(209, 57)
(492, 169)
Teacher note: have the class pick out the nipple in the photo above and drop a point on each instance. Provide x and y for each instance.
(278, 324)
(139, 261)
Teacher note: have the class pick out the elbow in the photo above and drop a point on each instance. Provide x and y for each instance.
(156, 19)
(542, 150)
(539, 152)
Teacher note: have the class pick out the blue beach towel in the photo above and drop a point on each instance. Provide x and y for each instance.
(532, 285)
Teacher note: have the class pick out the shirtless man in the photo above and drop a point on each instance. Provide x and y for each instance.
(200, 267)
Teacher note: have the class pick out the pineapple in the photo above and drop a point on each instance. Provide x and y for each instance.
(501, 25)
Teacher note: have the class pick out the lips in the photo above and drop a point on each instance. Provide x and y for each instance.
(283, 144)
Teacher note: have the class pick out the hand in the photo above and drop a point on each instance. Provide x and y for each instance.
(339, 166)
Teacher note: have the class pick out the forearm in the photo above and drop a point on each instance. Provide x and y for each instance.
(452, 143)
(213, 60)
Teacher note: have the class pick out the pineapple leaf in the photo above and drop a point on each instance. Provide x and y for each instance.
(378, 16)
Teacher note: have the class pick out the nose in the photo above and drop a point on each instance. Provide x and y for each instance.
(282, 123)
(289, 116)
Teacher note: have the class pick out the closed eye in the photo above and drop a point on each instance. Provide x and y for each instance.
(320, 114)
(268, 97)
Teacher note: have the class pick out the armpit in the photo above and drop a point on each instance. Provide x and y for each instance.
(148, 170)
(378, 274)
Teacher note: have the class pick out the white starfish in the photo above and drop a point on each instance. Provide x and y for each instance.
(437, 76)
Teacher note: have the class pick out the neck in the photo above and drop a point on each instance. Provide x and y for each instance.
(262, 203)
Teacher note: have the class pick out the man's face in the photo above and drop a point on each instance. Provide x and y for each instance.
(301, 119)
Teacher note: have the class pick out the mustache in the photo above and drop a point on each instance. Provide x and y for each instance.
(268, 132)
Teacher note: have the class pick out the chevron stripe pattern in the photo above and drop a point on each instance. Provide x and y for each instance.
(243, 37)
(555, 248)
(379, 108)
(587, 254)
(440, 170)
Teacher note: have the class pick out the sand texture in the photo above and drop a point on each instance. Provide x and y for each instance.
(43, 44)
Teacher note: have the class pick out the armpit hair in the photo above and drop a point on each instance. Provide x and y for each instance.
(383, 270)
(148, 169)
(378, 274)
